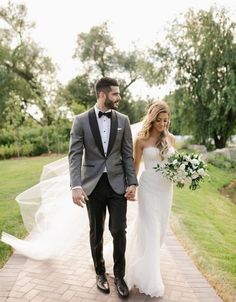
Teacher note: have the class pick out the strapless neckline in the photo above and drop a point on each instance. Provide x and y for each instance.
(152, 156)
(154, 147)
(150, 147)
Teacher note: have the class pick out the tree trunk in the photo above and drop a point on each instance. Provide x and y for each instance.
(220, 141)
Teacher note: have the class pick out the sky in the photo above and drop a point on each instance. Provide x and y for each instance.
(58, 23)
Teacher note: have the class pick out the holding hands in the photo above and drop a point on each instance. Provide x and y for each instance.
(130, 193)
(79, 197)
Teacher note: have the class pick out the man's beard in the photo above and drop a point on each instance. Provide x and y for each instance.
(110, 104)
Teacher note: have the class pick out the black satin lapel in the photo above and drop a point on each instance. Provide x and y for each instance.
(95, 130)
(113, 131)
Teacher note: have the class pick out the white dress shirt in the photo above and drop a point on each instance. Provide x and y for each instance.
(104, 124)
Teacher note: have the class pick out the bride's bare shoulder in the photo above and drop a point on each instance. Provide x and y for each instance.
(139, 142)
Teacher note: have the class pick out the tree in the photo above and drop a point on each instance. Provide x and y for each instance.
(201, 56)
(178, 123)
(81, 91)
(24, 69)
(96, 50)
(100, 57)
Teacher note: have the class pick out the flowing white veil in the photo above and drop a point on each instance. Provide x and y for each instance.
(54, 223)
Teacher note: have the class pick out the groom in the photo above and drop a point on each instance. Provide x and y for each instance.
(103, 176)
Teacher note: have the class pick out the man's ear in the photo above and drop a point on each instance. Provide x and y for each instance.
(101, 95)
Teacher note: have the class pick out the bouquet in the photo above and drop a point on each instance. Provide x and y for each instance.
(184, 169)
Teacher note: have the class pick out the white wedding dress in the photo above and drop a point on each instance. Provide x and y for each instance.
(147, 233)
(56, 225)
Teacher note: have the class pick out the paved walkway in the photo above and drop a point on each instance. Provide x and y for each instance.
(73, 279)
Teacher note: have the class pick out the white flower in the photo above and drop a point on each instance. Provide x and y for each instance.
(175, 179)
(195, 162)
(182, 167)
(201, 171)
(175, 162)
(194, 175)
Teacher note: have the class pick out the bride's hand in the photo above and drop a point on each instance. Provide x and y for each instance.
(79, 197)
(130, 193)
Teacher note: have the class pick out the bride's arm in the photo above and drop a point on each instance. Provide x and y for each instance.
(138, 152)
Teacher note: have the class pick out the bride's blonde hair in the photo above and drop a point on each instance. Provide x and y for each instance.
(150, 118)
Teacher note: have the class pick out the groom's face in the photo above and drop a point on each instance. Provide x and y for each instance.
(112, 98)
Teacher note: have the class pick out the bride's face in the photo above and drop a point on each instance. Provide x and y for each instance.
(161, 122)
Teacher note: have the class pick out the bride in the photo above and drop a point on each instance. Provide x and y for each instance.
(154, 143)
(50, 216)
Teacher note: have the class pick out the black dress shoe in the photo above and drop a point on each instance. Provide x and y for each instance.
(103, 284)
(121, 287)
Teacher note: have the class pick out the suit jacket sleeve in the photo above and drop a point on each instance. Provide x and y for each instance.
(76, 152)
(127, 155)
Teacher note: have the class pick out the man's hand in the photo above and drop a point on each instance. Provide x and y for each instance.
(79, 196)
(130, 193)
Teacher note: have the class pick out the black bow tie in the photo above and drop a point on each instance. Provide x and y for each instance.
(108, 114)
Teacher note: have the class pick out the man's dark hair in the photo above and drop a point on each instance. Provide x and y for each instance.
(104, 84)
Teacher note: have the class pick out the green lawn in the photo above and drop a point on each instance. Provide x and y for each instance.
(16, 176)
(205, 222)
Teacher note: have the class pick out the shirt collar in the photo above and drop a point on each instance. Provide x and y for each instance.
(97, 110)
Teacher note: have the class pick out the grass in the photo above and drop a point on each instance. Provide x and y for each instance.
(205, 223)
(16, 176)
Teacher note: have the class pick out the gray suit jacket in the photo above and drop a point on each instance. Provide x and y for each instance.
(87, 159)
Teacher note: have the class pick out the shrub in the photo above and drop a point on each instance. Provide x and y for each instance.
(222, 162)
(35, 140)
